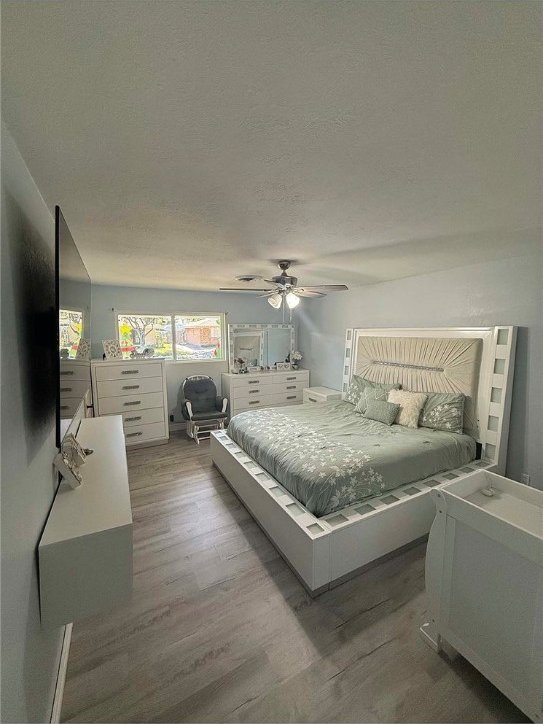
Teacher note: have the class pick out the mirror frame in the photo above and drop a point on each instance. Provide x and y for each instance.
(255, 327)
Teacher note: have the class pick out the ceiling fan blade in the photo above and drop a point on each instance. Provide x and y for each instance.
(268, 293)
(306, 292)
(327, 288)
(242, 289)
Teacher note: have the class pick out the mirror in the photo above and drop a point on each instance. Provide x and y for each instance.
(259, 345)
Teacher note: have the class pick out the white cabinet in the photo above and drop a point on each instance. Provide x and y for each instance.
(85, 552)
(266, 389)
(484, 581)
(321, 394)
(135, 389)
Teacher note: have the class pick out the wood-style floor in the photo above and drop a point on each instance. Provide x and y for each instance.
(220, 629)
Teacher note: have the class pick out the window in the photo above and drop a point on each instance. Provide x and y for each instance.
(180, 337)
(70, 331)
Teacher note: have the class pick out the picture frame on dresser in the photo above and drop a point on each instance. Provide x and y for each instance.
(136, 390)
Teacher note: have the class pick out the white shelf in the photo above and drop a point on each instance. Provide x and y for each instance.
(85, 553)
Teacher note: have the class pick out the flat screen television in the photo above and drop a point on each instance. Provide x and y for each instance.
(73, 304)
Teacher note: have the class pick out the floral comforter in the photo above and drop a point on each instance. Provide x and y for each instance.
(328, 456)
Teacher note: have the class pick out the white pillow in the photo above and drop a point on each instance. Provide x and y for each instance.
(411, 404)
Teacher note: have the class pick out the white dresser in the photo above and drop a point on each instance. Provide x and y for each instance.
(265, 389)
(75, 384)
(135, 389)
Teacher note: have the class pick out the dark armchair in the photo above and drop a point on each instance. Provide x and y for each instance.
(201, 406)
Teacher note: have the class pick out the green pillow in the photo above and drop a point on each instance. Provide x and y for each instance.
(382, 411)
(371, 391)
(444, 411)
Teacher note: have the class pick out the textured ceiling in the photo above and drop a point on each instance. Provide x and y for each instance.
(188, 142)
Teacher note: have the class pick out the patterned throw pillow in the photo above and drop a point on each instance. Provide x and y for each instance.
(371, 391)
(411, 404)
(353, 393)
(444, 411)
(382, 411)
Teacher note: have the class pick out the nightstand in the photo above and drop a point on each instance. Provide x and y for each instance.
(320, 394)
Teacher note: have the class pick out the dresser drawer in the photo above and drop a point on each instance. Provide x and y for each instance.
(114, 388)
(73, 388)
(116, 405)
(288, 387)
(294, 376)
(142, 433)
(250, 403)
(248, 381)
(68, 406)
(321, 394)
(288, 398)
(70, 371)
(143, 417)
(251, 392)
(130, 370)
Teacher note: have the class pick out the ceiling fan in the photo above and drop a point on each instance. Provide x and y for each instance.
(285, 287)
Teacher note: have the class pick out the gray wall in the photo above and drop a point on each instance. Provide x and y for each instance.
(499, 292)
(239, 308)
(29, 655)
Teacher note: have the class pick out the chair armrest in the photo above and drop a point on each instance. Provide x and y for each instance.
(188, 406)
(221, 403)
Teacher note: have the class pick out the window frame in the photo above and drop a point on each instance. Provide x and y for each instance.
(172, 315)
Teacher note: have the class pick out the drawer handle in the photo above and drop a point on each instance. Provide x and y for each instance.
(254, 392)
(137, 402)
(133, 434)
(254, 402)
(130, 372)
(252, 382)
(290, 378)
(130, 387)
(312, 399)
(66, 389)
(291, 397)
(64, 407)
(133, 419)
(291, 387)
(67, 372)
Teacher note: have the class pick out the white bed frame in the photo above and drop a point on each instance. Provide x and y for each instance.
(325, 551)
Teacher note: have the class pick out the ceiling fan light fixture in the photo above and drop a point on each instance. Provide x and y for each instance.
(275, 300)
(292, 300)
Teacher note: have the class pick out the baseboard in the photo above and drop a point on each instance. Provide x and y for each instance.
(61, 675)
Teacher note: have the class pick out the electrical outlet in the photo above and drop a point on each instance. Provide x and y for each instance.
(171, 418)
(525, 478)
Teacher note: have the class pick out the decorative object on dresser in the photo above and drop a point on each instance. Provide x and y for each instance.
(112, 349)
(296, 357)
(484, 582)
(320, 394)
(135, 389)
(83, 349)
(265, 389)
(68, 469)
(203, 409)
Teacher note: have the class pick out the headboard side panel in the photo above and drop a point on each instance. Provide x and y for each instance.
(424, 364)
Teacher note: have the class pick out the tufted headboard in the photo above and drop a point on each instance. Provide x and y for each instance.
(477, 362)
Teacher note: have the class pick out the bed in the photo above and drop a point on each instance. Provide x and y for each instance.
(329, 456)
(329, 532)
